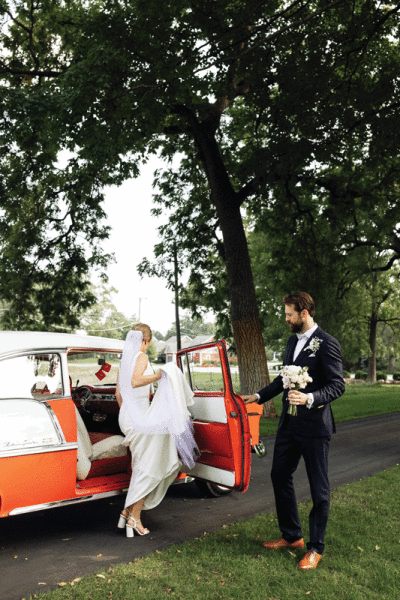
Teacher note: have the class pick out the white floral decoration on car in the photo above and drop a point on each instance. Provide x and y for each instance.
(314, 345)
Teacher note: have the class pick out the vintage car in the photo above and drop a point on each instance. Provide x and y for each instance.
(59, 437)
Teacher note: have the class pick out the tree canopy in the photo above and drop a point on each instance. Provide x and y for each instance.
(258, 98)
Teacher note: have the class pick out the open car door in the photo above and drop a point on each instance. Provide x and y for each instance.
(219, 417)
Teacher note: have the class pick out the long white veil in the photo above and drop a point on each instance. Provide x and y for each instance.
(168, 413)
(144, 422)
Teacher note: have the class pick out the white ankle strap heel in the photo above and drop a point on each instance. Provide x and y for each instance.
(131, 529)
(122, 521)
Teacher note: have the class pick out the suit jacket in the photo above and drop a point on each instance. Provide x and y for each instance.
(325, 366)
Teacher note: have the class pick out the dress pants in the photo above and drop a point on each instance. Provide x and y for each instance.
(289, 448)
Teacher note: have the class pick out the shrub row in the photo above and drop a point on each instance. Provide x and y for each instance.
(364, 375)
(379, 375)
(360, 375)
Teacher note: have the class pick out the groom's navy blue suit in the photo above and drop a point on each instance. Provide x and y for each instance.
(308, 435)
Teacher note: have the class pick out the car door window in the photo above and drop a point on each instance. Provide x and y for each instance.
(203, 371)
(36, 375)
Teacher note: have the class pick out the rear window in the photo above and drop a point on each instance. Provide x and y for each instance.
(36, 375)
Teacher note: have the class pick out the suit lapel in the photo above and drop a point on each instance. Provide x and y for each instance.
(290, 349)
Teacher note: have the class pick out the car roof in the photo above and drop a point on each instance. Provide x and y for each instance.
(14, 341)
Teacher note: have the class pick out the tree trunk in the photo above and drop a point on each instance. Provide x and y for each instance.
(390, 367)
(373, 326)
(253, 368)
(246, 325)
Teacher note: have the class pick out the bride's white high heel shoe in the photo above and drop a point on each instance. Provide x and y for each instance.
(122, 521)
(131, 529)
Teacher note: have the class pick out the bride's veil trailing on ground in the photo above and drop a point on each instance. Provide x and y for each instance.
(168, 413)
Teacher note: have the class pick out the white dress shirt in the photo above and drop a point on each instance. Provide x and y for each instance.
(303, 339)
(301, 342)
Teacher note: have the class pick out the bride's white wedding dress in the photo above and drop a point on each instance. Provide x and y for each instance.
(155, 461)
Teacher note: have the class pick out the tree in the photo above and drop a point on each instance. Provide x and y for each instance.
(158, 335)
(389, 346)
(381, 307)
(249, 93)
(103, 318)
(192, 327)
(343, 248)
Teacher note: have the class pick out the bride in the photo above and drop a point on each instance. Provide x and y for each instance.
(149, 430)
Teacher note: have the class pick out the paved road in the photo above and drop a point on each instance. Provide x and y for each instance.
(65, 543)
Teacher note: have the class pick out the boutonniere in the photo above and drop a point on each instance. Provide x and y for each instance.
(314, 345)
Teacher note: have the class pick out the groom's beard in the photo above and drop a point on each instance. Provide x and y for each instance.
(295, 327)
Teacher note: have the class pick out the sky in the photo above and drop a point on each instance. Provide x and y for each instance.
(133, 236)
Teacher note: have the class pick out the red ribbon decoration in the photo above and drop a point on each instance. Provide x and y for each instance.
(100, 375)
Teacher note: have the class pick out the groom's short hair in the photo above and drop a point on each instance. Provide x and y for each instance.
(301, 301)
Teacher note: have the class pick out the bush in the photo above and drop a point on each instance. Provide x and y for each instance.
(346, 374)
(361, 375)
(381, 375)
(396, 376)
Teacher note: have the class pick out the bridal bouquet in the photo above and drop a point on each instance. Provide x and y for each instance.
(294, 378)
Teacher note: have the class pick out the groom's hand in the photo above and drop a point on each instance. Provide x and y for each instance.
(249, 399)
(297, 398)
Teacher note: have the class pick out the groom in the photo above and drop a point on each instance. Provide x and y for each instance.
(308, 433)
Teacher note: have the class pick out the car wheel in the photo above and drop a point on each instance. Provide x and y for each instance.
(260, 449)
(212, 490)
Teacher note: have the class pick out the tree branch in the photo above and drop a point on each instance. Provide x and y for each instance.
(388, 266)
(32, 73)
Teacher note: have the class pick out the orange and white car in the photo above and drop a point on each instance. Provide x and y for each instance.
(56, 389)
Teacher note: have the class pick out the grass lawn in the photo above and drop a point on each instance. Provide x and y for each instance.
(361, 561)
(359, 400)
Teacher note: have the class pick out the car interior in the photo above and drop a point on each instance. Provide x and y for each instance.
(93, 379)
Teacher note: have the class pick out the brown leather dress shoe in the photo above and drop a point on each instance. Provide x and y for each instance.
(310, 560)
(284, 544)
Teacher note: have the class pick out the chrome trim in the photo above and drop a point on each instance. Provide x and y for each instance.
(38, 450)
(25, 351)
(186, 479)
(56, 423)
(36, 507)
(59, 350)
(63, 445)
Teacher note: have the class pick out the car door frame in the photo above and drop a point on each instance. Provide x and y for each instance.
(237, 425)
